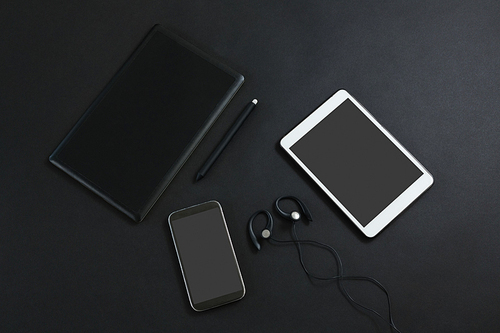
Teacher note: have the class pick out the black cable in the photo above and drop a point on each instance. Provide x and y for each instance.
(340, 277)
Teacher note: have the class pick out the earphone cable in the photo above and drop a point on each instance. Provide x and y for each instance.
(341, 277)
(340, 274)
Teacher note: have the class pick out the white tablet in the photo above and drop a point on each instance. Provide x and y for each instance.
(357, 162)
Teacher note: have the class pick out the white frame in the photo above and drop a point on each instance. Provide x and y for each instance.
(394, 208)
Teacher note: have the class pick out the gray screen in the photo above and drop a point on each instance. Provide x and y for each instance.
(360, 166)
(208, 262)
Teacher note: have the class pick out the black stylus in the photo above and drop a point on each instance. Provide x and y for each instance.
(225, 140)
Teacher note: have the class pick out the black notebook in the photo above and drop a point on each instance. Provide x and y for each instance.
(134, 138)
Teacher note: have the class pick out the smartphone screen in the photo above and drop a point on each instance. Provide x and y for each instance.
(208, 263)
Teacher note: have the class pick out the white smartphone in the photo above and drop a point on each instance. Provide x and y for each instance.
(357, 162)
(208, 263)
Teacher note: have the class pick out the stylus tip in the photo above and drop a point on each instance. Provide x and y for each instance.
(199, 176)
(255, 101)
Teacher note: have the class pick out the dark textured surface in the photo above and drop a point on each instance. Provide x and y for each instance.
(428, 71)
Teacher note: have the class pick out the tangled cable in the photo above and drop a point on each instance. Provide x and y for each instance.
(295, 216)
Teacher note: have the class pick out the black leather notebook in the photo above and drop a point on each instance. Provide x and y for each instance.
(134, 138)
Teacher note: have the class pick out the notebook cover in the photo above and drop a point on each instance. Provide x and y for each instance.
(134, 138)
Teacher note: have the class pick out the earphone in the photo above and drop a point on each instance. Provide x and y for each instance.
(295, 216)
(266, 233)
(268, 230)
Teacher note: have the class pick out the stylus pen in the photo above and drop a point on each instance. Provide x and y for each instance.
(225, 140)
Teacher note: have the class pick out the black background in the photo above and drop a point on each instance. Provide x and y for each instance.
(427, 70)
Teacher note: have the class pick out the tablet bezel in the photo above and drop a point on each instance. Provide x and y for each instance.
(397, 206)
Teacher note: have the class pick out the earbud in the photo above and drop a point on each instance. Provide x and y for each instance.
(266, 233)
(294, 215)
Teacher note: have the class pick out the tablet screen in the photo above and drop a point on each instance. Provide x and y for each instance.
(356, 162)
